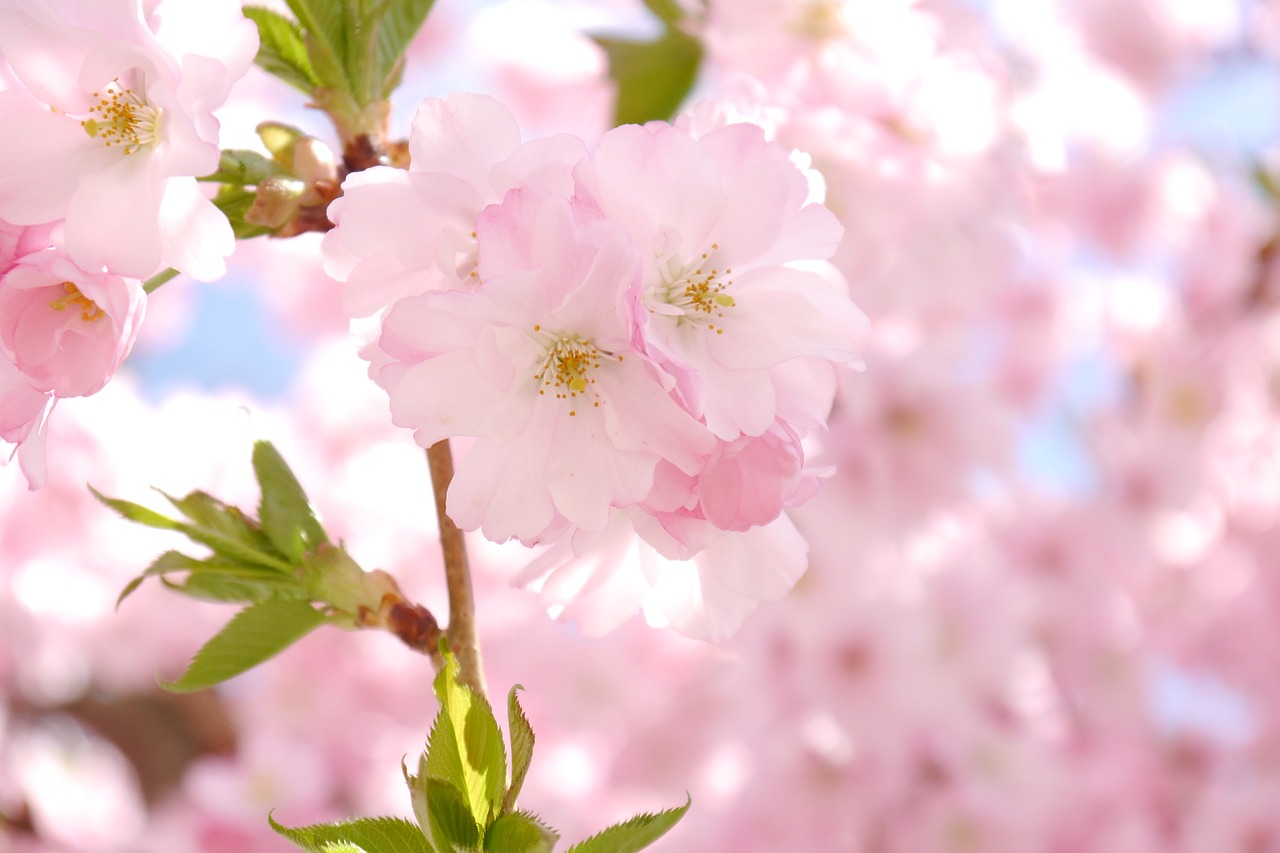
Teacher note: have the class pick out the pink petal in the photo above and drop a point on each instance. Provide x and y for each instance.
(45, 156)
(47, 56)
(196, 238)
(114, 217)
(783, 313)
(20, 404)
(464, 135)
(586, 473)
(640, 415)
(501, 491)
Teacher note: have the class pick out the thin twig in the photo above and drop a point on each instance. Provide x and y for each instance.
(461, 633)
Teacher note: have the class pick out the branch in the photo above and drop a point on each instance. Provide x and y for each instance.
(461, 632)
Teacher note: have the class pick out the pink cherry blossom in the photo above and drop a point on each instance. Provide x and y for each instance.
(129, 126)
(67, 330)
(538, 364)
(729, 239)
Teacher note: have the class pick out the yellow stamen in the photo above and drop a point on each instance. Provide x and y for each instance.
(568, 367)
(89, 310)
(121, 117)
(699, 292)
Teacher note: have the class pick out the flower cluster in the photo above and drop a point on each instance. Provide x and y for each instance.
(101, 139)
(635, 339)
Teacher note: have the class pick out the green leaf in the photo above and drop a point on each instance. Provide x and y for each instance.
(521, 747)
(226, 546)
(342, 847)
(249, 586)
(282, 50)
(449, 821)
(519, 832)
(374, 834)
(234, 202)
(1266, 181)
(243, 167)
(213, 518)
(653, 77)
(400, 23)
(632, 835)
(138, 513)
(418, 791)
(465, 747)
(361, 61)
(253, 635)
(254, 583)
(284, 513)
(668, 11)
(324, 27)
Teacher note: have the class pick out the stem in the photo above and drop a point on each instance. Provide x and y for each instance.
(152, 284)
(461, 632)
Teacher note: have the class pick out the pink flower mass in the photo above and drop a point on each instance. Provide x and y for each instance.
(864, 418)
(627, 331)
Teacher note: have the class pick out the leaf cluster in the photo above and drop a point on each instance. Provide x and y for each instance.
(347, 55)
(278, 564)
(464, 794)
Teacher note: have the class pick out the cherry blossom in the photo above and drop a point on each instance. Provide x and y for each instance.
(538, 364)
(65, 329)
(128, 127)
(726, 229)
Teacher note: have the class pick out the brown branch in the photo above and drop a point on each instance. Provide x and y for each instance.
(461, 633)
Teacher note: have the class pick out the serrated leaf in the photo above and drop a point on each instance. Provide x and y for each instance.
(263, 582)
(449, 820)
(282, 51)
(323, 26)
(247, 585)
(374, 834)
(243, 167)
(399, 24)
(418, 791)
(653, 77)
(138, 513)
(632, 835)
(215, 518)
(521, 747)
(234, 202)
(361, 59)
(224, 546)
(285, 513)
(255, 634)
(342, 847)
(519, 832)
(465, 747)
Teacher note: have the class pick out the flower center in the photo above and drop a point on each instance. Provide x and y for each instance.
(89, 310)
(567, 370)
(122, 118)
(695, 292)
